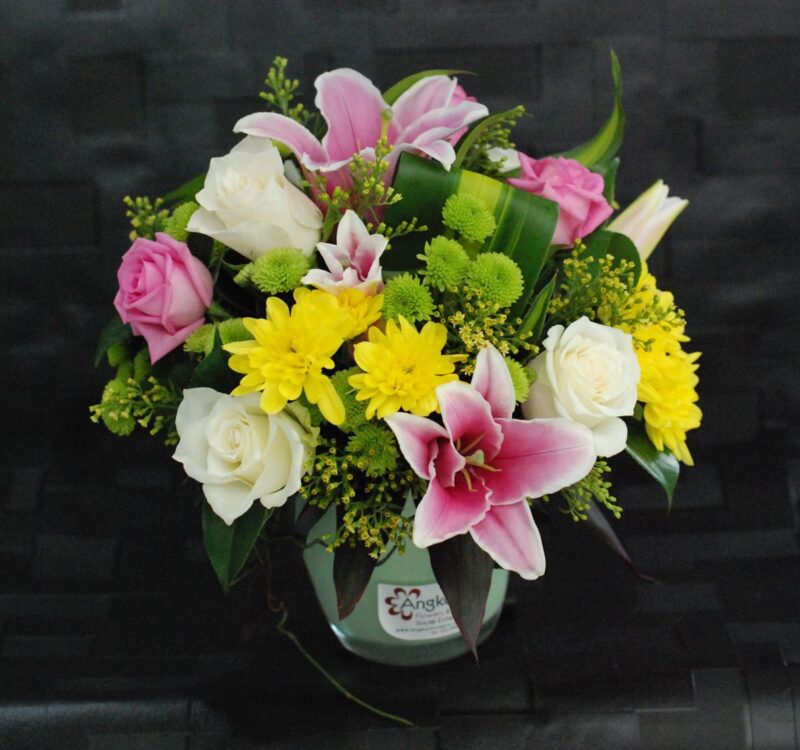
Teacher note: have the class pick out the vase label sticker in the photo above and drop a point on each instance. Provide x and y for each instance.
(414, 612)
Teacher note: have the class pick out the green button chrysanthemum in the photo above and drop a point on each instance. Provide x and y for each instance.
(405, 295)
(519, 379)
(469, 217)
(446, 263)
(176, 224)
(497, 277)
(279, 270)
(374, 449)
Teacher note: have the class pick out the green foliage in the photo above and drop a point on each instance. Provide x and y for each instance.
(446, 263)
(114, 332)
(148, 403)
(661, 465)
(592, 488)
(586, 284)
(229, 547)
(603, 147)
(525, 222)
(473, 322)
(281, 92)
(146, 217)
(491, 132)
(405, 295)
(369, 508)
(468, 216)
(497, 278)
(368, 196)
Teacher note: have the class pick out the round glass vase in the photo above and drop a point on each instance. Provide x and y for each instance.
(402, 619)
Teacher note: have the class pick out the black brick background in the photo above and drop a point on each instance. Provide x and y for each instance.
(113, 633)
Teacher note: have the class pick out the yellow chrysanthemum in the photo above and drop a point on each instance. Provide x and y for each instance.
(363, 309)
(668, 379)
(290, 351)
(402, 368)
(667, 389)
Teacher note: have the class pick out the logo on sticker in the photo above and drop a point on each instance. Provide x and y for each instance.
(414, 612)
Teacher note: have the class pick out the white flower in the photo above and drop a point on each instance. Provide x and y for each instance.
(509, 157)
(647, 219)
(248, 204)
(239, 453)
(587, 373)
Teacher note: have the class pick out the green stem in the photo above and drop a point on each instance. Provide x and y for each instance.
(281, 628)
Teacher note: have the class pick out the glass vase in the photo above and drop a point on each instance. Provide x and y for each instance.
(402, 619)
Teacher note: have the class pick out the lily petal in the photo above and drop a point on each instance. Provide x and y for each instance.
(493, 381)
(418, 439)
(445, 512)
(429, 93)
(283, 129)
(509, 535)
(468, 418)
(352, 106)
(538, 457)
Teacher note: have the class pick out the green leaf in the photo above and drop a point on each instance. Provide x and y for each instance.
(392, 94)
(187, 191)
(602, 243)
(469, 140)
(213, 371)
(609, 174)
(464, 571)
(352, 569)
(661, 465)
(525, 222)
(606, 143)
(114, 332)
(228, 547)
(533, 322)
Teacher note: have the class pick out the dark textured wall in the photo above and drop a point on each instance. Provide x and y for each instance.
(100, 573)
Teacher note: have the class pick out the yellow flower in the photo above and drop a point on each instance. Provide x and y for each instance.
(363, 309)
(667, 389)
(668, 379)
(402, 368)
(290, 351)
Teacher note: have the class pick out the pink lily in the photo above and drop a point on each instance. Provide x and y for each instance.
(421, 120)
(483, 465)
(353, 262)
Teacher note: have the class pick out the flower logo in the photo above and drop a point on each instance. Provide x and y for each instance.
(403, 602)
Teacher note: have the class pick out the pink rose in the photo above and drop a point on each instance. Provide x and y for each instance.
(578, 192)
(164, 292)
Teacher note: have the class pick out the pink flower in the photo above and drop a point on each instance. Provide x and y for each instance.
(459, 95)
(578, 192)
(353, 262)
(421, 120)
(483, 464)
(164, 292)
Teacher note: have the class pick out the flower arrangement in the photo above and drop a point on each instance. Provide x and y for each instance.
(383, 300)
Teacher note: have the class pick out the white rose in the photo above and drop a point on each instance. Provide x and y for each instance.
(239, 453)
(587, 373)
(248, 204)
